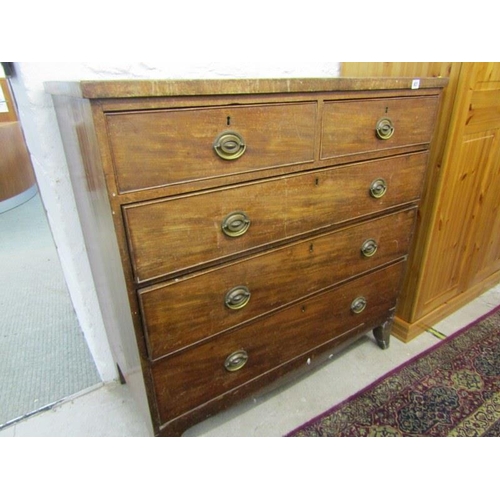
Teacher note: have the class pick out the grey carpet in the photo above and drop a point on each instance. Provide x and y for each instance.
(43, 354)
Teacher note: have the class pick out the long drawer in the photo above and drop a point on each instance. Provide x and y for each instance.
(183, 312)
(205, 372)
(176, 234)
(163, 147)
(372, 125)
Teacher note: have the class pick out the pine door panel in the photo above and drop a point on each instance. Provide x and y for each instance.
(464, 248)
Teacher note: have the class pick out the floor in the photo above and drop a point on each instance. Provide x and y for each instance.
(108, 410)
(44, 356)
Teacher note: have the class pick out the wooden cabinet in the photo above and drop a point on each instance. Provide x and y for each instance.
(17, 180)
(240, 232)
(456, 253)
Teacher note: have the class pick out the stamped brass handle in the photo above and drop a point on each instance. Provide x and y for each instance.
(358, 305)
(384, 128)
(378, 188)
(238, 297)
(236, 361)
(229, 145)
(369, 248)
(235, 224)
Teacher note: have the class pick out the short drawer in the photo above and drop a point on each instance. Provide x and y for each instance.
(179, 233)
(198, 375)
(160, 148)
(370, 125)
(184, 312)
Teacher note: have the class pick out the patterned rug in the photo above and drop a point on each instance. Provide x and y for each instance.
(452, 389)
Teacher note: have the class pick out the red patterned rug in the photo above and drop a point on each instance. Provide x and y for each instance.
(452, 389)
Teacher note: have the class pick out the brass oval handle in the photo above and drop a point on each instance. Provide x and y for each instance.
(235, 224)
(229, 145)
(384, 128)
(358, 305)
(378, 188)
(236, 361)
(237, 298)
(369, 248)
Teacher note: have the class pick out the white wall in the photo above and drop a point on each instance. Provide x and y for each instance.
(42, 136)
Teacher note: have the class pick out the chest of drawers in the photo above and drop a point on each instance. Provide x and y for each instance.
(241, 231)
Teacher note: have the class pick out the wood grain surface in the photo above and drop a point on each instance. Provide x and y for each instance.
(183, 312)
(175, 234)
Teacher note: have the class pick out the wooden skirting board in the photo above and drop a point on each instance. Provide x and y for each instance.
(406, 332)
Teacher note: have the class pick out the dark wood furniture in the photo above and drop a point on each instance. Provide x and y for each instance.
(243, 230)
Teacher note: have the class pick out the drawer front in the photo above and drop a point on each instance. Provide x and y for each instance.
(199, 375)
(176, 234)
(350, 127)
(159, 148)
(184, 312)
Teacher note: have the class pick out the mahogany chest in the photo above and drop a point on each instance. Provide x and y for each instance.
(241, 231)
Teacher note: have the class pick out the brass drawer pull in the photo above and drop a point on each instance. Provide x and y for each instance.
(378, 188)
(369, 248)
(384, 128)
(236, 361)
(358, 305)
(235, 224)
(229, 145)
(237, 298)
